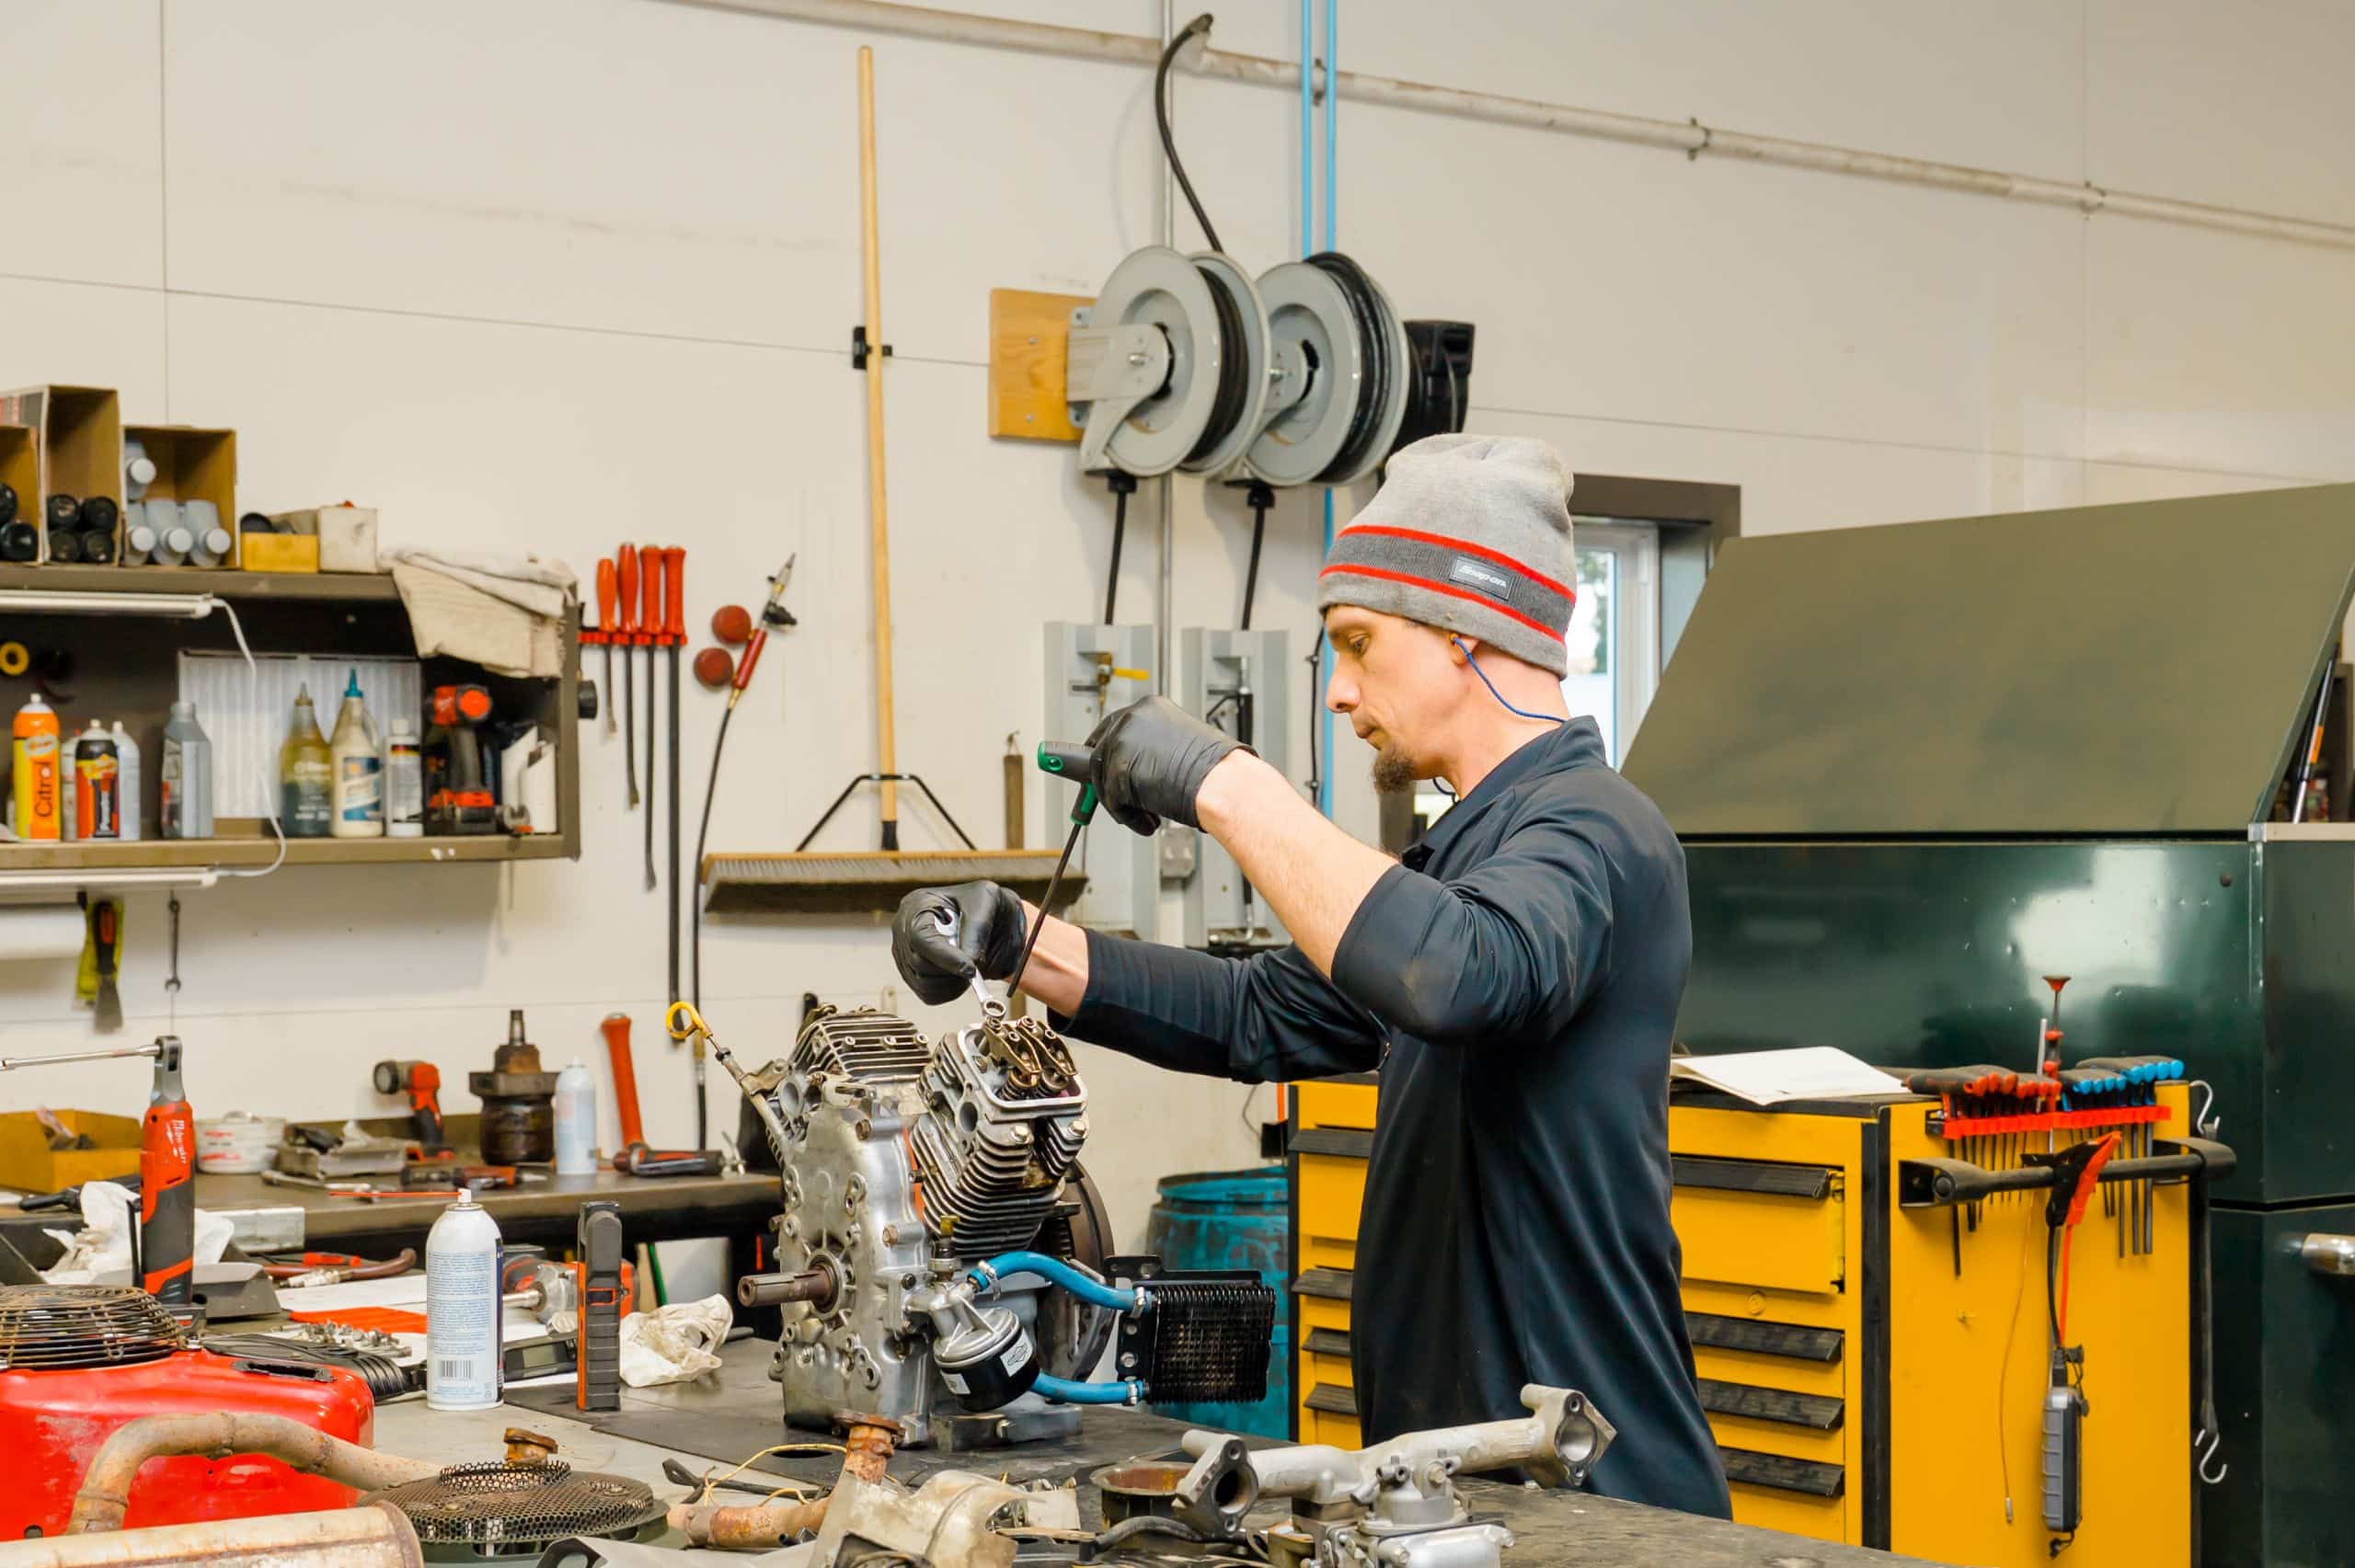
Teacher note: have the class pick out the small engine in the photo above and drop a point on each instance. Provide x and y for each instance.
(941, 1258)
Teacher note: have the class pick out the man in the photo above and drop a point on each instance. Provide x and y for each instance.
(1515, 979)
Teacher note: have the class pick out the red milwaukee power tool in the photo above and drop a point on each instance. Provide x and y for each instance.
(421, 1082)
(164, 1258)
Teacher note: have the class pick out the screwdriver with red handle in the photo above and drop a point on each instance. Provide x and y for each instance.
(649, 628)
(604, 636)
(625, 633)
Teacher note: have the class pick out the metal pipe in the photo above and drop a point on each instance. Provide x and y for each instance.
(374, 1537)
(2327, 1254)
(106, 1485)
(1687, 136)
(734, 1526)
(868, 1444)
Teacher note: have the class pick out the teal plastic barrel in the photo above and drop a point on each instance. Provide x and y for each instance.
(1230, 1220)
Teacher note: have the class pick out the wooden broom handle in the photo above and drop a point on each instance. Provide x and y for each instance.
(886, 751)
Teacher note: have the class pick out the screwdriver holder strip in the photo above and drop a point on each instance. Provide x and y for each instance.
(2050, 1121)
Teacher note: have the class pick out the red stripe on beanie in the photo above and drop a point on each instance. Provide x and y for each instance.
(1444, 543)
(1452, 592)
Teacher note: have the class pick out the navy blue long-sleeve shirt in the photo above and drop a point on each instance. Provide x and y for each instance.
(1515, 980)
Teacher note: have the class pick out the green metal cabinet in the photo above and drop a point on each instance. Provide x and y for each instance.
(1918, 769)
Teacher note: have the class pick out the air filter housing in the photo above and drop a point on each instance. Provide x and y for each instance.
(489, 1513)
(77, 1361)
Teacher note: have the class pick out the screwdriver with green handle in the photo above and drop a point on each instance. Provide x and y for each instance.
(1077, 763)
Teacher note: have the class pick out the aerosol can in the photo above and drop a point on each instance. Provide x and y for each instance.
(462, 1309)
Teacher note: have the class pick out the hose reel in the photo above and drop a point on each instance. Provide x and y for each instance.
(1184, 363)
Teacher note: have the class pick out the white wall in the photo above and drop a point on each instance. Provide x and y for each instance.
(541, 274)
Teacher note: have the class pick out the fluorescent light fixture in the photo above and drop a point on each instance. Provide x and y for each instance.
(73, 601)
(94, 877)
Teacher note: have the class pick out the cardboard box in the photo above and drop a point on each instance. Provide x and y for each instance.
(79, 432)
(192, 464)
(347, 534)
(28, 1164)
(20, 471)
(279, 552)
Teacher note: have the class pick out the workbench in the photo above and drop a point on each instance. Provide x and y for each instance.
(715, 1421)
(669, 1208)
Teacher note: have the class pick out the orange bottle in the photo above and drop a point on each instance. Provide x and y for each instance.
(34, 765)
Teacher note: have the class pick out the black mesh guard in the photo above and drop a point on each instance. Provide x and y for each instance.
(1208, 1339)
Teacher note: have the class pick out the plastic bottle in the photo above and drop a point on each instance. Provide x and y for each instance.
(98, 784)
(127, 761)
(403, 783)
(186, 793)
(305, 776)
(462, 1309)
(138, 468)
(576, 1121)
(359, 769)
(34, 768)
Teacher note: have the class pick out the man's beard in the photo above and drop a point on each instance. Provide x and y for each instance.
(1394, 772)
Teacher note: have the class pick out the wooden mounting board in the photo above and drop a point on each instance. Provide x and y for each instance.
(1028, 337)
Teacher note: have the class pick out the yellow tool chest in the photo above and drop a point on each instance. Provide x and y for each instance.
(1874, 1368)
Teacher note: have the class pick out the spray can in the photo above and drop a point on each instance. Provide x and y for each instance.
(576, 1121)
(97, 785)
(34, 766)
(404, 783)
(187, 793)
(462, 1309)
(127, 752)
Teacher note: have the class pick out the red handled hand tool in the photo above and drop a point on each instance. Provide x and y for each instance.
(649, 630)
(625, 634)
(607, 594)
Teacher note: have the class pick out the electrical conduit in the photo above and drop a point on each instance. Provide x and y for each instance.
(1690, 137)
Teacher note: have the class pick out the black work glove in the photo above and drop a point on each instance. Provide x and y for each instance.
(990, 933)
(1151, 760)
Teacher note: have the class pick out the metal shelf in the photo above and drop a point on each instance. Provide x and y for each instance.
(364, 587)
(240, 853)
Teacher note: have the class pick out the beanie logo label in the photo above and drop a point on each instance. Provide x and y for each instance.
(1487, 579)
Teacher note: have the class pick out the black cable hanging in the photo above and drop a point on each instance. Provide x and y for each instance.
(1200, 24)
(1123, 487)
(1260, 496)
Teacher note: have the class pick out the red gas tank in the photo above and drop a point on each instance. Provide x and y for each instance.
(76, 1362)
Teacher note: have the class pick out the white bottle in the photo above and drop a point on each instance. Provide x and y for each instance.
(462, 1309)
(576, 1121)
(357, 807)
(403, 783)
(138, 468)
(127, 768)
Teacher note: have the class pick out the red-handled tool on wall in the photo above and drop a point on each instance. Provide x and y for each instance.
(607, 593)
(616, 1028)
(649, 627)
(674, 631)
(164, 1263)
(625, 633)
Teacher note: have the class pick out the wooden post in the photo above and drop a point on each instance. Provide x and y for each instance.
(886, 749)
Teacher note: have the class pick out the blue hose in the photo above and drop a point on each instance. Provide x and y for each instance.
(1093, 1292)
(1064, 1392)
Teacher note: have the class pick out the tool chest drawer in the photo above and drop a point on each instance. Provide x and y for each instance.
(1760, 1223)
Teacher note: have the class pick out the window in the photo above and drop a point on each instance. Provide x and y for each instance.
(1615, 630)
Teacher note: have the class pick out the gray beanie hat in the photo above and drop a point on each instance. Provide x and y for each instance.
(1470, 534)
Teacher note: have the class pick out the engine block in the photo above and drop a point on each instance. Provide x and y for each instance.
(902, 1163)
